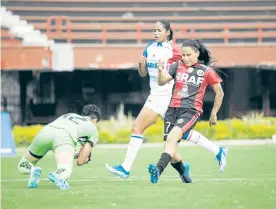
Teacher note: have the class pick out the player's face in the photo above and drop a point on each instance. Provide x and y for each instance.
(160, 34)
(189, 55)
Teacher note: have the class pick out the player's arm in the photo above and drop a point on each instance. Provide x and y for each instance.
(164, 76)
(142, 69)
(214, 80)
(85, 153)
(142, 66)
(218, 98)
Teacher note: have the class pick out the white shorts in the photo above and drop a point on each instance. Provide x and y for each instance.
(158, 104)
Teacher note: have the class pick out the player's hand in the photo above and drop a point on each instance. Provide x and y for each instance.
(78, 150)
(213, 120)
(160, 65)
(142, 60)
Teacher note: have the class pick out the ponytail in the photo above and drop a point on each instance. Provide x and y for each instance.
(204, 53)
(170, 37)
(167, 26)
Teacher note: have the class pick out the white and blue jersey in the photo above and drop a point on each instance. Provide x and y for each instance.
(168, 53)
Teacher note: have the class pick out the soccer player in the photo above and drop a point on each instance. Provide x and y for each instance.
(158, 101)
(65, 135)
(191, 77)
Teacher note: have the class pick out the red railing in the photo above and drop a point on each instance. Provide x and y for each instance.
(57, 24)
(62, 29)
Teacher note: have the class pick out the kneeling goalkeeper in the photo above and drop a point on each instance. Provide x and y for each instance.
(69, 136)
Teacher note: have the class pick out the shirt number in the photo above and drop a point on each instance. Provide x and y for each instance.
(74, 119)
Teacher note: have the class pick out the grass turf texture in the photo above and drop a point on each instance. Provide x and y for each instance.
(249, 182)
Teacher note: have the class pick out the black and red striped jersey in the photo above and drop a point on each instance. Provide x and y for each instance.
(190, 84)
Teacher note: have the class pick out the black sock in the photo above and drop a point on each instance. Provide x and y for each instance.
(179, 167)
(163, 162)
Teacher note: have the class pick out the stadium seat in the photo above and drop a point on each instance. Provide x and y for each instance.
(153, 10)
(215, 21)
(173, 19)
(149, 26)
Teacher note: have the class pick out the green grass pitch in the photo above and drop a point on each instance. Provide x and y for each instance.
(249, 182)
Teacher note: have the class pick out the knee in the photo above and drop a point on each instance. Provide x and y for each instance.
(137, 128)
(175, 135)
(172, 139)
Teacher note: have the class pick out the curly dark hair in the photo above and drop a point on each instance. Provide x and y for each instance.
(92, 111)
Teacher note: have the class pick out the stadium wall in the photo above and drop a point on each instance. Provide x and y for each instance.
(114, 57)
(44, 96)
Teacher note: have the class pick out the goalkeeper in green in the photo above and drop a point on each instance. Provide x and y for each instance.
(69, 136)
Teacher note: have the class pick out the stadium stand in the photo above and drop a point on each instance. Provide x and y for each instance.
(126, 21)
(16, 31)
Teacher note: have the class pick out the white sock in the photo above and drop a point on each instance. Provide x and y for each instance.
(202, 141)
(64, 171)
(132, 150)
(24, 166)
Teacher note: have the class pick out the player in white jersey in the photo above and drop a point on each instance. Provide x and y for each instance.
(69, 136)
(161, 49)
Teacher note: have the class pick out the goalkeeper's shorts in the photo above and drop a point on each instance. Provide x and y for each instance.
(51, 138)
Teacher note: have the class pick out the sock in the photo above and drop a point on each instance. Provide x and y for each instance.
(24, 166)
(179, 167)
(202, 141)
(64, 171)
(163, 162)
(132, 150)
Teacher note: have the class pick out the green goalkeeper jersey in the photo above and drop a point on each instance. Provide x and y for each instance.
(81, 128)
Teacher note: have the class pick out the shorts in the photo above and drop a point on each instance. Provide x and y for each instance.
(51, 138)
(158, 104)
(183, 118)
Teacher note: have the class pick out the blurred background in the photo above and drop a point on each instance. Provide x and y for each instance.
(57, 55)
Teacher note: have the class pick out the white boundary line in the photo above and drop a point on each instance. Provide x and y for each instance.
(184, 143)
(165, 178)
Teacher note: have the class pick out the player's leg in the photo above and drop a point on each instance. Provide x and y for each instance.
(184, 121)
(38, 148)
(176, 162)
(182, 168)
(169, 151)
(64, 151)
(197, 138)
(26, 165)
(64, 156)
(220, 152)
(147, 116)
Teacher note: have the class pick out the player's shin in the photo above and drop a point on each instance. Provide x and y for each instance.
(177, 164)
(64, 171)
(132, 151)
(163, 162)
(170, 149)
(64, 158)
(24, 166)
(197, 138)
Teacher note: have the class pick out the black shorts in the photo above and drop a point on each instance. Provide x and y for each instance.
(183, 118)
